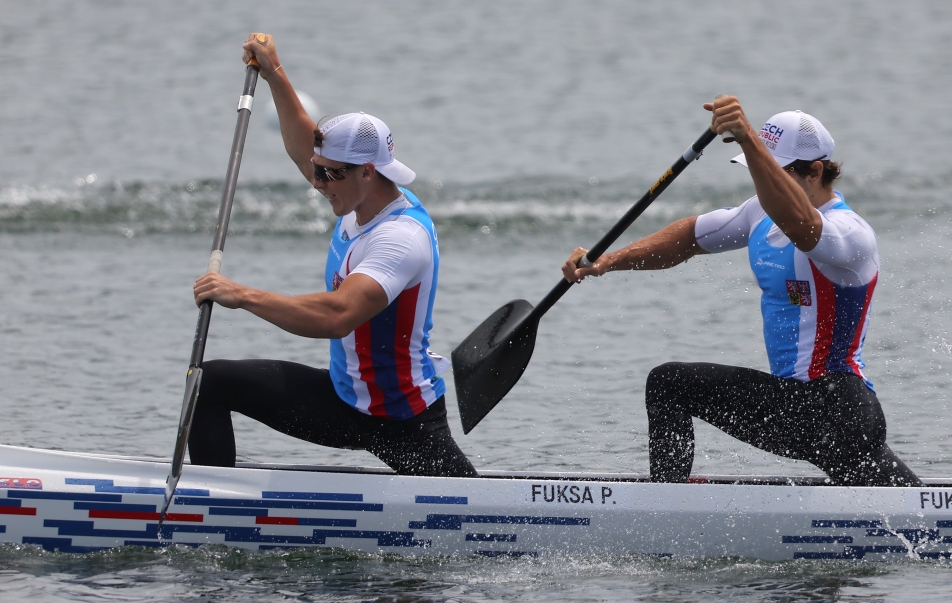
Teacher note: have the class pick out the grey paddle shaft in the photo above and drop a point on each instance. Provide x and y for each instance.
(194, 377)
(224, 211)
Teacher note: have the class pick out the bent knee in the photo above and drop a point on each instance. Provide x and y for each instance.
(662, 385)
(218, 378)
(213, 373)
(664, 374)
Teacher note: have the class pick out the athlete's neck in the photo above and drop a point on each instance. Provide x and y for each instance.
(818, 194)
(400, 202)
(382, 195)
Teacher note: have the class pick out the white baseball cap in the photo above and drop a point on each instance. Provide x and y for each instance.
(794, 135)
(359, 138)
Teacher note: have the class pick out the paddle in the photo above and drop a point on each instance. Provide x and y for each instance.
(488, 363)
(193, 379)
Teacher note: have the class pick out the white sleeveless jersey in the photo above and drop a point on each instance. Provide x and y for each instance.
(384, 367)
(816, 304)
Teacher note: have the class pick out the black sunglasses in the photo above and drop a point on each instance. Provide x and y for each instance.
(326, 174)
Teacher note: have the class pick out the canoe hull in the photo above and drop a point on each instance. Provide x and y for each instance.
(75, 502)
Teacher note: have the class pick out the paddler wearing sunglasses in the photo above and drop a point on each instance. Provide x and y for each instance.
(382, 392)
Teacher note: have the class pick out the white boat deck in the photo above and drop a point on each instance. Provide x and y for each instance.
(75, 502)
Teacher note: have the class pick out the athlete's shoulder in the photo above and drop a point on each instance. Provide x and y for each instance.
(847, 241)
(749, 212)
(751, 205)
(727, 228)
(393, 235)
(838, 212)
(413, 199)
(399, 236)
(754, 209)
(401, 226)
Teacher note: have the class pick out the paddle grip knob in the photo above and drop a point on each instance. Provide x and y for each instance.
(260, 39)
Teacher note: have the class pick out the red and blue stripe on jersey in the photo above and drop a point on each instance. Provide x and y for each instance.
(383, 368)
(842, 316)
(812, 325)
(382, 344)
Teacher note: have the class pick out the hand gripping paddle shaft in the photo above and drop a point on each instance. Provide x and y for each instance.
(194, 378)
(488, 363)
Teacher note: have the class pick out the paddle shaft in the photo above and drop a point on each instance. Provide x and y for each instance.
(630, 216)
(193, 380)
(224, 211)
(488, 363)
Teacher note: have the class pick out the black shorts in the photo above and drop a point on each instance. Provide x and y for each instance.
(834, 422)
(300, 401)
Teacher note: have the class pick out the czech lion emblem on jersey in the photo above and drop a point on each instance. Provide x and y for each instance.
(799, 293)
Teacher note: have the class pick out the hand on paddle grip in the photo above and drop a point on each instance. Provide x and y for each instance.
(727, 135)
(578, 261)
(260, 39)
(260, 52)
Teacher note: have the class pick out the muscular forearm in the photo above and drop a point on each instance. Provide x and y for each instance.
(330, 315)
(312, 315)
(297, 127)
(781, 197)
(668, 247)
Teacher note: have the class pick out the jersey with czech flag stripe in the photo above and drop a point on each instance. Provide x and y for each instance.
(815, 304)
(384, 367)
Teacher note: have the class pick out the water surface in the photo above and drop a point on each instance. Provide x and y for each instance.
(533, 126)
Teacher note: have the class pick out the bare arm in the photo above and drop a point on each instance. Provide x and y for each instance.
(781, 197)
(297, 127)
(668, 247)
(321, 315)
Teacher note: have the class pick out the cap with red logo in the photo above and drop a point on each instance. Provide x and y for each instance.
(359, 138)
(794, 135)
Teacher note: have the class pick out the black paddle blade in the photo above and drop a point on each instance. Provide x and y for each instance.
(492, 359)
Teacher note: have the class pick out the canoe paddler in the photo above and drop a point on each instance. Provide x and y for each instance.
(383, 392)
(817, 263)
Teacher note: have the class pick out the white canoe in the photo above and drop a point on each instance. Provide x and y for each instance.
(75, 502)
